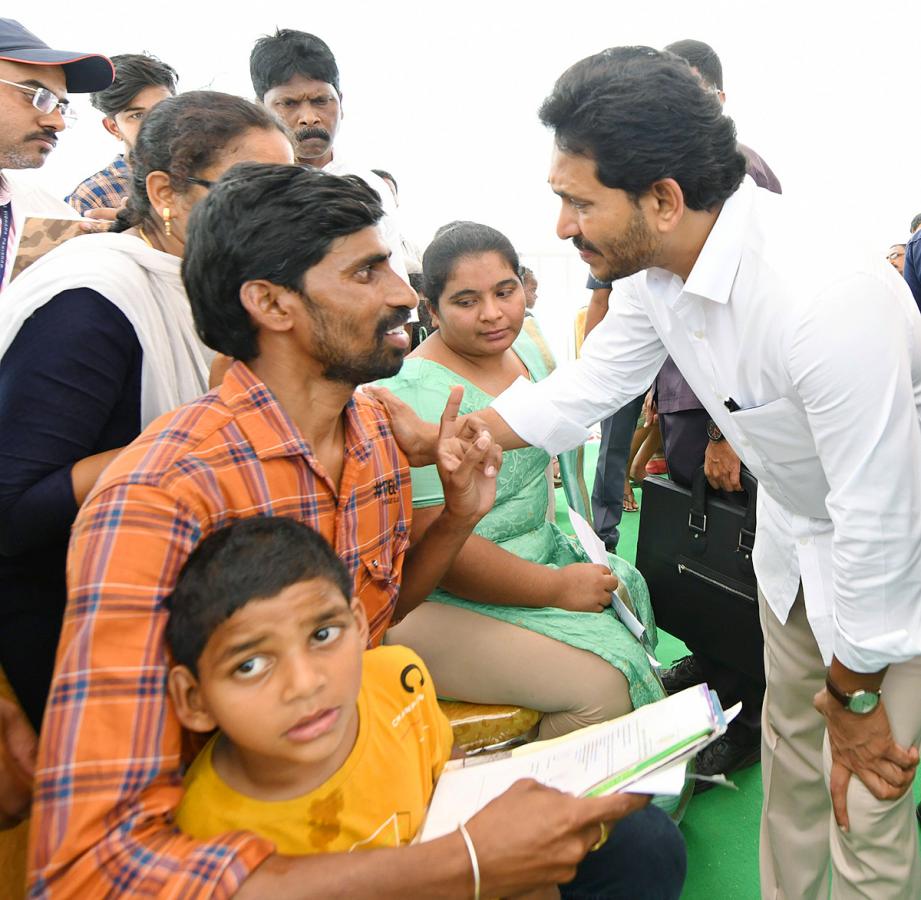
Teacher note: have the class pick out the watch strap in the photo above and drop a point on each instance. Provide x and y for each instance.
(844, 698)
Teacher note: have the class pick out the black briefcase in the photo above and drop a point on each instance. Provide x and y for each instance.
(695, 552)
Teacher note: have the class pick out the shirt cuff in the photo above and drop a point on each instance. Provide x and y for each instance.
(536, 420)
(874, 654)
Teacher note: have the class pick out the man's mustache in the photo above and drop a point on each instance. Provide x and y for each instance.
(48, 134)
(312, 133)
(397, 320)
(583, 246)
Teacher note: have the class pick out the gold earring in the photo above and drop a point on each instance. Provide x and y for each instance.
(167, 225)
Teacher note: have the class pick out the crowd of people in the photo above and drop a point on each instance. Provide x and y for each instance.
(273, 481)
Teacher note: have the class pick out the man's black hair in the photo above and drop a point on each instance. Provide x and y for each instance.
(270, 222)
(277, 58)
(915, 222)
(386, 176)
(133, 73)
(703, 58)
(250, 559)
(642, 116)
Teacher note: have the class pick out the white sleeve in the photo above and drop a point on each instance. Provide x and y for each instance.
(620, 359)
(852, 357)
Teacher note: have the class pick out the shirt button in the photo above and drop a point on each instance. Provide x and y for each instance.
(698, 334)
(803, 541)
(375, 563)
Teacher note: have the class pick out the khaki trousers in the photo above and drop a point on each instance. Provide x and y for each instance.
(480, 659)
(879, 858)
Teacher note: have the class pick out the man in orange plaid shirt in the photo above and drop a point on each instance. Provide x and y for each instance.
(288, 274)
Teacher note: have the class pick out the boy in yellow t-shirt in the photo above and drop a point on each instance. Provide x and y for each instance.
(323, 746)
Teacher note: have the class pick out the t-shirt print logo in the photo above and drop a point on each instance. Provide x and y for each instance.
(386, 487)
(405, 677)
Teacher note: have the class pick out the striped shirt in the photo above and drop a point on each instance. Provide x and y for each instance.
(112, 750)
(104, 189)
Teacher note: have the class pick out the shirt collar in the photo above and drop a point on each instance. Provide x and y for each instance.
(119, 165)
(268, 427)
(5, 193)
(715, 270)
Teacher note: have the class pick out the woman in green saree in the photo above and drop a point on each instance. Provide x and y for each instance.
(522, 617)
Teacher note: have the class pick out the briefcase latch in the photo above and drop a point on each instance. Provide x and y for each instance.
(697, 529)
(746, 542)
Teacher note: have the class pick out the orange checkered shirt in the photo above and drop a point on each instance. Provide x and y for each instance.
(112, 751)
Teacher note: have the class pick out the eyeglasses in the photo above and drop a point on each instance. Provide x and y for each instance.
(895, 254)
(46, 101)
(201, 182)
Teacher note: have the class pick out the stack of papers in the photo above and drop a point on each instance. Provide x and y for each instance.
(643, 752)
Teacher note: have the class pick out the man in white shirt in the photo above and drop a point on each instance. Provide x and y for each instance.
(295, 75)
(816, 379)
(34, 81)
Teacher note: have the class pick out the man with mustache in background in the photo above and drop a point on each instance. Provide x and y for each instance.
(295, 75)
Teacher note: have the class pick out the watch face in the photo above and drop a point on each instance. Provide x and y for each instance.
(863, 702)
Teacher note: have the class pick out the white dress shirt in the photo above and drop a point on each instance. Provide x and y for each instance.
(824, 362)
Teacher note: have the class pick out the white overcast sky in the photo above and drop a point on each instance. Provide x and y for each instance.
(444, 95)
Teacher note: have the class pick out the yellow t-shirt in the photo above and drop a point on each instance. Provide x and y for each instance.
(379, 796)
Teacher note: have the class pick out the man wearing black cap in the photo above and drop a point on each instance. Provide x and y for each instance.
(34, 81)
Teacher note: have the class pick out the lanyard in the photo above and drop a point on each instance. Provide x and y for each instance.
(6, 217)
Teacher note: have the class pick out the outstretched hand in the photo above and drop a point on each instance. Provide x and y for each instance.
(417, 439)
(467, 465)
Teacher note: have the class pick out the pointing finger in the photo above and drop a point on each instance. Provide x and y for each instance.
(448, 425)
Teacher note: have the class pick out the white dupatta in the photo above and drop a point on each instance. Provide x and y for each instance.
(146, 286)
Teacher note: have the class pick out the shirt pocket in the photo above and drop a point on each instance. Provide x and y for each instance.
(377, 584)
(777, 446)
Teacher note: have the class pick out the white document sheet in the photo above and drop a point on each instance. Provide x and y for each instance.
(597, 553)
(599, 759)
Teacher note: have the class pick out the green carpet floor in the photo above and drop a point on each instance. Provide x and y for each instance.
(721, 825)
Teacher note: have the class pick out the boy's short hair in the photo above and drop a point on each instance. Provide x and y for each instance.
(249, 559)
(702, 57)
(133, 73)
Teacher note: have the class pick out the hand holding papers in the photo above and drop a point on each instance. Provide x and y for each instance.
(597, 553)
(593, 761)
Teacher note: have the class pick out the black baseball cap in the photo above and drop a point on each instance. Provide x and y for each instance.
(85, 72)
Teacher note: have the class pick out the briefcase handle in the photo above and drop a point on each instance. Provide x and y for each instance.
(697, 518)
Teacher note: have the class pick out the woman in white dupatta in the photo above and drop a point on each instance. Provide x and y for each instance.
(96, 341)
